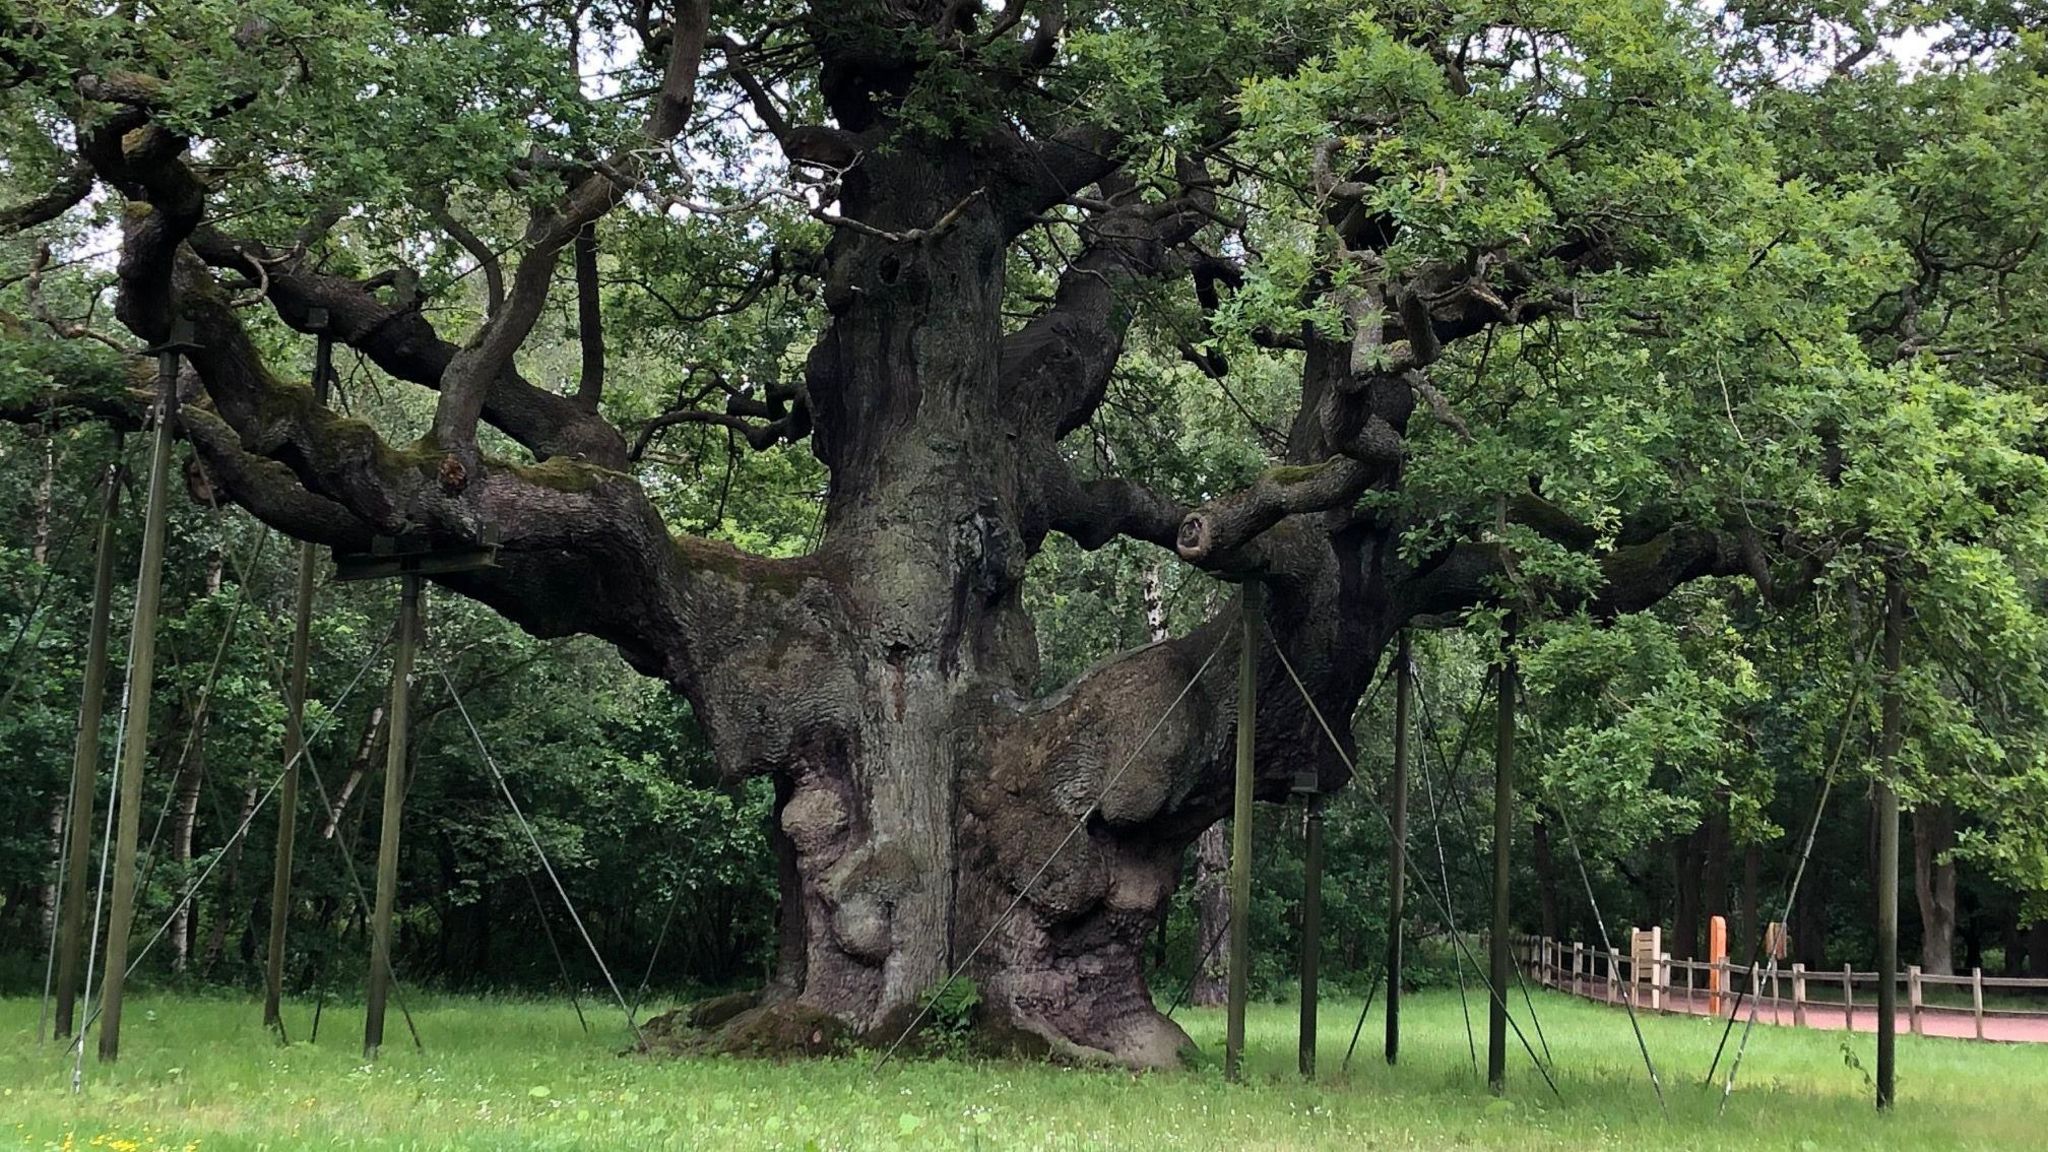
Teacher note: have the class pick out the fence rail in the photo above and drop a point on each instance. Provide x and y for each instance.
(1792, 994)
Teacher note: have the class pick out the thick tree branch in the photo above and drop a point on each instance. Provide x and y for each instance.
(589, 321)
(468, 378)
(1227, 523)
(780, 415)
(1039, 174)
(267, 488)
(1635, 576)
(809, 145)
(582, 548)
(398, 338)
(70, 188)
(1058, 366)
(493, 269)
(1094, 512)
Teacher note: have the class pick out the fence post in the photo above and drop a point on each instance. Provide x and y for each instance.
(1977, 999)
(1913, 997)
(1661, 984)
(1799, 995)
(1848, 998)
(1613, 974)
(1578, 968)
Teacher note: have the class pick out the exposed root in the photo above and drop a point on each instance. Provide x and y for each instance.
(745, 1024)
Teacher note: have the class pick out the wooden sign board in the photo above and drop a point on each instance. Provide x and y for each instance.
(1645, 967)
(1776, 941)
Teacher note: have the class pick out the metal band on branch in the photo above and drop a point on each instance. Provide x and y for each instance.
(416, 555)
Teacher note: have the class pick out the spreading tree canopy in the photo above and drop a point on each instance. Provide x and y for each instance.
(1411, 313)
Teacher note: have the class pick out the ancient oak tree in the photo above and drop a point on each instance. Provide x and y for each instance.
(966, 221)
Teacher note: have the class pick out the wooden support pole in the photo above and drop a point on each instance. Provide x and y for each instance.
(1848, 999)
(1888, 845)
(1241, 836)
(288, 791)
(1397, 851)
(1311, 929)
(1913, 1003)
(85, 757)
(394, 803)
(141, 683)
(1977, 999)
(294, 730)
(1799, 995)
(1578, 968)
(1503, 836)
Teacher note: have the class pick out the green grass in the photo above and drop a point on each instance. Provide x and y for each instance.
(202, 1074)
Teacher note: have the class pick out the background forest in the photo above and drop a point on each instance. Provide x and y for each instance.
(1884, 290)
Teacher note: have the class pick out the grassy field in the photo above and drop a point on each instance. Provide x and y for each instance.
(202, 1075)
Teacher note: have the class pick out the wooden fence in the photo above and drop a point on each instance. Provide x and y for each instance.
(1793, 994)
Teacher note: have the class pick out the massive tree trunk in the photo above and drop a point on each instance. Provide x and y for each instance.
(1934, 882)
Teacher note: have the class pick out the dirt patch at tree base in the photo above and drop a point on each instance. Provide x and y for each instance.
(742, 1024)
